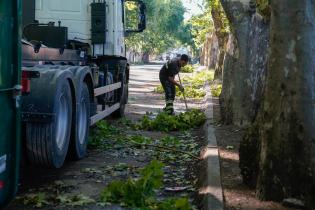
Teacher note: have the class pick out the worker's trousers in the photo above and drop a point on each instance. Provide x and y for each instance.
(169, 90)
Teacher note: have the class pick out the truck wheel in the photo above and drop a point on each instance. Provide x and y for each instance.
(79, 143)
(47, 143)
(123, 100)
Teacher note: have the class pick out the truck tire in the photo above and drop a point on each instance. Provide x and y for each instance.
(47, 143)
(123, 100)
(79, 143)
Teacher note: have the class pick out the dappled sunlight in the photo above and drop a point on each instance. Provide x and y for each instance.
(208, 190)
(208, 153)
(229, 155)
(151, 106)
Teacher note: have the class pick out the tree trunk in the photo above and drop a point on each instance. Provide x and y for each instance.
(209, 52)
(145, 57)
(235, 63)
(244, 64)
(287, 129)
(222, 35)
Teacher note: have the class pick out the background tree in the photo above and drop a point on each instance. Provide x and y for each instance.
(165, 28)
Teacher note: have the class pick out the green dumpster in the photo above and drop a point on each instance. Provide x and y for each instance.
(10, 58)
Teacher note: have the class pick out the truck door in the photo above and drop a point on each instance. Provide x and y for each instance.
(10, 13)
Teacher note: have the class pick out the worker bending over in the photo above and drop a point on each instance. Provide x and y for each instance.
(167, 79)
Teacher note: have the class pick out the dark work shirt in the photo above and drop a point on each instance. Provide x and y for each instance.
(170, 69)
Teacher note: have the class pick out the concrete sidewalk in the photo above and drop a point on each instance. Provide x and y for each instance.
(211, 189)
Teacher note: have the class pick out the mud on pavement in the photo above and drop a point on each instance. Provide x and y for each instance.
(79, 185)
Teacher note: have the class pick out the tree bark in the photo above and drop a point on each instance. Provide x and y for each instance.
(145, 57)
(209, 51)
(244, 64)
(287, 129)
(222, 37)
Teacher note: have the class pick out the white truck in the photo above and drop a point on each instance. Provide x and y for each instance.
(74, 73)
(68, 72)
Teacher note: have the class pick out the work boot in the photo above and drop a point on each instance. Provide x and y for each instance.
(169, 110)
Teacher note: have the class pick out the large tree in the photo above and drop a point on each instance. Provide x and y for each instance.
(278, 153)
(287, 127)
(222, 30)
(244, 64)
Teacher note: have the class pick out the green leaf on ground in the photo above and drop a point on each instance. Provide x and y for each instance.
(164, 122)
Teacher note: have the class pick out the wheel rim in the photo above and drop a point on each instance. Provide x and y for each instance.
(82, 121)
(62, 121)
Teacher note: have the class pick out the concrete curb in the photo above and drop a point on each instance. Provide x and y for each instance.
(211, 189)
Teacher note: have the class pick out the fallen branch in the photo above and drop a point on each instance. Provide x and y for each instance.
(166, 148)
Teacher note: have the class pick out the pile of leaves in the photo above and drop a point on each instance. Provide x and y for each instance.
(141, 193)
(187, 69)
(104, 131)
(55, 195)
(164, 122)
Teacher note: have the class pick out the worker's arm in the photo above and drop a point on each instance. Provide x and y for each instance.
(172, 80)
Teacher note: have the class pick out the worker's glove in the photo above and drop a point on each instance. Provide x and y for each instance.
(181, 88)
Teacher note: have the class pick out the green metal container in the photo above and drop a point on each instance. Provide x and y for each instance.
(10, 73)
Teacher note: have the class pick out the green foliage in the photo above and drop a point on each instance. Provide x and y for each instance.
(165, 122)
(131, 12)
(201, 25)
(141, 193)
(40, 200)
(174, 204)
(135, 193)
(37, 200)
(191, 92)
(103, 131)
(159, 89)
(140, 139)
(74, 200)
(165, 27)
(263, 7)
(199, 79)
(221, 23)
(216, 90)
(126, 122)
(213, 20)
(187, 69)
(193, 85)
(170, 140)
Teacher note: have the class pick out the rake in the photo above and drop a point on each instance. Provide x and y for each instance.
(180, 81)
